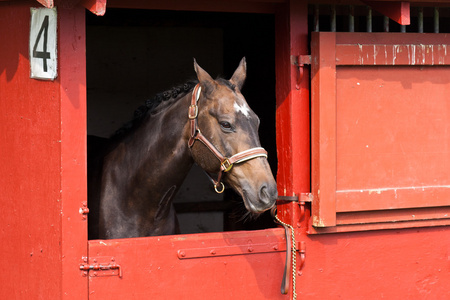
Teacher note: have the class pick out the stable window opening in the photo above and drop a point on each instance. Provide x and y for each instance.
(134, 54)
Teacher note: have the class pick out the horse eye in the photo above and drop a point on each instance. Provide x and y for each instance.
(225, 125)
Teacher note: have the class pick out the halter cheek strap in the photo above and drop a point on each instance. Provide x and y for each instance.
(226, 163)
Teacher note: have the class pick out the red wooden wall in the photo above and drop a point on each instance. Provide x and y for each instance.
(30, 166)
(42, 161)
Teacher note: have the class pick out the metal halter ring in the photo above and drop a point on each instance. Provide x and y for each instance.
(221, 191)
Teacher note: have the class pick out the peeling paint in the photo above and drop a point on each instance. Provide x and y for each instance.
(395, 189)
(375, 53)
(318, 222)
(432, 55)
(423, 53)
(394, 53)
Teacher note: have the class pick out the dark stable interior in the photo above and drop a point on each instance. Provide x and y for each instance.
(134, 54)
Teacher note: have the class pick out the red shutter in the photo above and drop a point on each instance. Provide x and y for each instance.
(380, 130)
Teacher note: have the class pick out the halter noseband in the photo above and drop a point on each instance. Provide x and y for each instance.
(226, 163)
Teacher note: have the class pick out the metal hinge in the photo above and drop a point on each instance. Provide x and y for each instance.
(299, 61)
(101, 266)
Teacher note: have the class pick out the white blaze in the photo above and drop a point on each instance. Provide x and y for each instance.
(243, 109)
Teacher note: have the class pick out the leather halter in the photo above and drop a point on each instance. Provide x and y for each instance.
(226, 163)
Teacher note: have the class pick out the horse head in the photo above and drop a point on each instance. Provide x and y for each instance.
(227, 129)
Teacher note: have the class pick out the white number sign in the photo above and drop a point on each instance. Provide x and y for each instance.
(43, 60)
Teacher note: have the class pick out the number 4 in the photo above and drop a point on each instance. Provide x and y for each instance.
(42, 43)
(42, 54)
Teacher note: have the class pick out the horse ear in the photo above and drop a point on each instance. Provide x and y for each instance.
(239, 75)
(206, 81)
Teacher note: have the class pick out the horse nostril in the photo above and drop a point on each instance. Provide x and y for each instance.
(263, 192)
(266, 195)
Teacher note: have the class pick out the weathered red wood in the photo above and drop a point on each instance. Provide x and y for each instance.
(397, 215)
(72, 85)
(395, 49)
(323, 119)
(384, 225)
(415, 260)
(162, 274)
(389, 156)
(392, 198)
(292, 115)
(397, 11)
(46, 3)
(30, 167)
(97, 7)
(43, 162)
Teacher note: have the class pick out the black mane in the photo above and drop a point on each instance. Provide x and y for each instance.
(151, 105)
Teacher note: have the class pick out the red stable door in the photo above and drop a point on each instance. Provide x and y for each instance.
(380, 131)
(224, 265)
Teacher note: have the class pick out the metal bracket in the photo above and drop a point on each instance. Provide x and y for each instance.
(301, 198)
(240, 249)
(306, 197)
(299, 61)
(84, 210)
(101, 266)
(302, 251)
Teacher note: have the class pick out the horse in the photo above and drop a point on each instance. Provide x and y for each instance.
(133, 179)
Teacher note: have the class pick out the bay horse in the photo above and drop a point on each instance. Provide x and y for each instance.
(208, 122)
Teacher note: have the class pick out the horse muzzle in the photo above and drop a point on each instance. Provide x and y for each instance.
(262, 199)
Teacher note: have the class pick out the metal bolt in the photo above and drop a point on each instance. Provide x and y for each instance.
(250, 249)
(213, 252)
(182, 254)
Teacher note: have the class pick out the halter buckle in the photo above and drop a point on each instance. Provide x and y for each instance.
(193, 111)
(226, 165)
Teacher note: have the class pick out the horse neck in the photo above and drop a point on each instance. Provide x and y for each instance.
(165, 135)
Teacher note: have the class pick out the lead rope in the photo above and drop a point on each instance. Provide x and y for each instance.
(294, 255)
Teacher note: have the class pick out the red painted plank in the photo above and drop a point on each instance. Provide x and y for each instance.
(393, 142)
(394, 216)
(394, 55)
(391, 151)
(161, 274)
(72, 80)
(364, 227)
(398, 11)
(29, 166)
(392, 198)
(97, 7)
(323, 119)
(392, 38)
(292, 115)
(47, 3)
